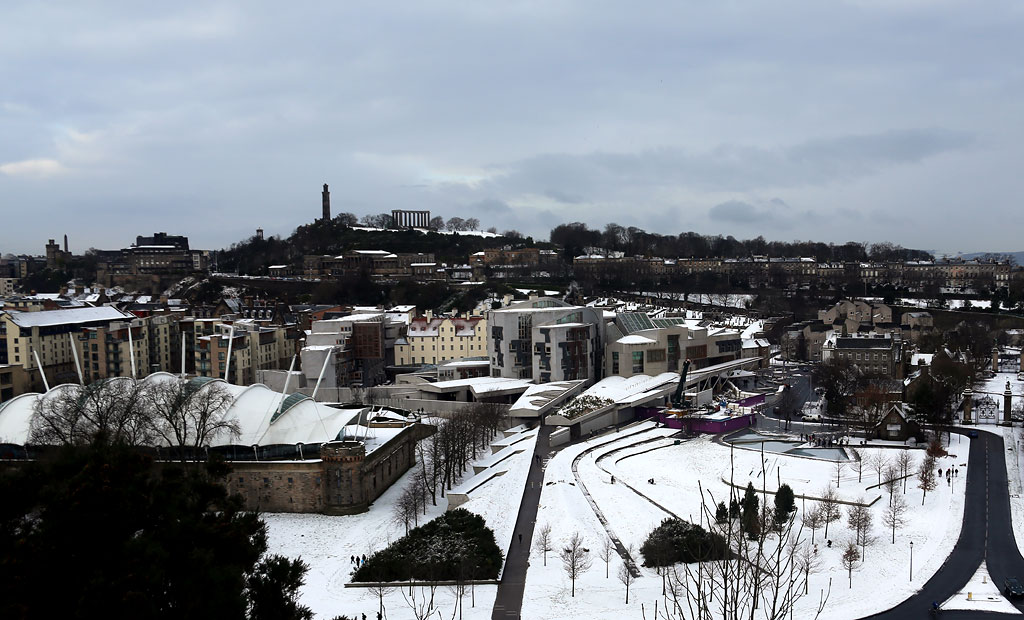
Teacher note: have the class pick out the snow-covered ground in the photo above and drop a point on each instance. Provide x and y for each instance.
(327, 543)
(678, 472)
(1014, 477)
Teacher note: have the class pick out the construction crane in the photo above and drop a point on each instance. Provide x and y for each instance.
(678, 399)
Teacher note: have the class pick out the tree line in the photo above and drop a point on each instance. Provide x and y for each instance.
(574, 237)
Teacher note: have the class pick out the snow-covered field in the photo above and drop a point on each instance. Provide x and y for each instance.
(633, 455)
(678, 471)
(327, 543)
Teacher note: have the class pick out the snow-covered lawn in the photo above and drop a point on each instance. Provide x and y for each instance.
(879, 583)
(1014, 477)
(327, 543)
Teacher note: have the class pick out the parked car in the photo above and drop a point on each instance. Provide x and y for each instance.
(811, 417)
(1012, 588)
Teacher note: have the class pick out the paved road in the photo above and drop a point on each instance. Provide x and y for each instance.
(509, 601)
(987, 534)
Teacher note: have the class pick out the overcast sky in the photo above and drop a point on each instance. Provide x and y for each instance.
(874, 120)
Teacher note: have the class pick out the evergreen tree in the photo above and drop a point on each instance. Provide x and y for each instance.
(785, 504)
(721, 513)
(98, 531)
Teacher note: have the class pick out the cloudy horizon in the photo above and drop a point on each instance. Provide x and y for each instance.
(867, 120)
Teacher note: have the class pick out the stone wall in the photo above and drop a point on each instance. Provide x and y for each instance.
(354, 479)
(278, 486)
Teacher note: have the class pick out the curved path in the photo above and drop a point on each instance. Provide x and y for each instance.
(986, 535)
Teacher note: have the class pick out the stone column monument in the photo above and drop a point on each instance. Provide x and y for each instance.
(968, 405)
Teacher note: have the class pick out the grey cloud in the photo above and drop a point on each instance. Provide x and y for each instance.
(729, 167)
(210, 120)
(561, 196)
(739, 212)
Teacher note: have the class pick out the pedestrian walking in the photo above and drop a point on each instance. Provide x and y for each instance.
(351, 559)
(364, 558)
(520, 539)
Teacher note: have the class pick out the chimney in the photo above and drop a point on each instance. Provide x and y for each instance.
(65, 244)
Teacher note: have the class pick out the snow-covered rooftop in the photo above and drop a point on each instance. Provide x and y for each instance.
(45, 318)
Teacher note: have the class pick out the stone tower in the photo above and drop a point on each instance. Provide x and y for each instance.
(65, 244)
(327, 204)
(259, 234)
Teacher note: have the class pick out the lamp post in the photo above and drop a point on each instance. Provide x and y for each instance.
(911, 560)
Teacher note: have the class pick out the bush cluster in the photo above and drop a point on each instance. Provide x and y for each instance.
(456, 546)
(676, 540)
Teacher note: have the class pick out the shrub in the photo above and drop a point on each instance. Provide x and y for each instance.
(676, 540)
(456, 546)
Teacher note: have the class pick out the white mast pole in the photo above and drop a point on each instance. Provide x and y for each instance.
(231, 341)
(78, 362)
(42, 374)
(183, 354)
(131, 348)
(323, 368)
(287, 380)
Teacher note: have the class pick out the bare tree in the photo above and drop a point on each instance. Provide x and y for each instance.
(829, 506)
(544, 542)
(807, 561)
(857, 463)
(839, 466)
(626, 577)
(407, 508)
(877, 462)
(895, 516)
(576, 559)
(904, 461)
(380, 587)
(926, 476)
(813, 520)
(186, 415)
(112, 410)
(850, 558)
(891, 480)
(859, 518)
(607, 552)
(421, 600)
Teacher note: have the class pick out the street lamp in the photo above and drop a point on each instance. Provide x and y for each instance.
(911, 560)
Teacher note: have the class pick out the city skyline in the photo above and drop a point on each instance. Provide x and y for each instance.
(862, 121)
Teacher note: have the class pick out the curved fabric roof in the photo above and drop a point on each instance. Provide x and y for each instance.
(254, 408)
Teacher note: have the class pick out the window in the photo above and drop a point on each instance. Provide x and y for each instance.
(638, 362)
(615, 362)
(655, 355)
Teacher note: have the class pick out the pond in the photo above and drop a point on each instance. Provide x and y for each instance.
(753, 441)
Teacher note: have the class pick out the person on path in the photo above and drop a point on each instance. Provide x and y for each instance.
(351, 559)
(364, 558)
(520, 539)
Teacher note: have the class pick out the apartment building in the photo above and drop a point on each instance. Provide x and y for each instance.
(877, 354)
(48, 334)
(546, 339)
(437, 339)
(117, 349)
(640, 345)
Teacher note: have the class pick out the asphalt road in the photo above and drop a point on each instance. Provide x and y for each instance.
(986, 535)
